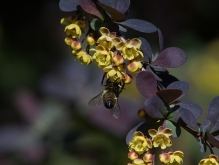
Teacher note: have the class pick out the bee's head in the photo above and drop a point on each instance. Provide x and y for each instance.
(109, 104)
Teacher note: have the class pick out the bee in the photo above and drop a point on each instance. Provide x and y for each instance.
(109, 97)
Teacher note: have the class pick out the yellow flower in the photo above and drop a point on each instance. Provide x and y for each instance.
(73, 27)
(84, 57)
(114, 73)
(102, 56)
(73, 30)
(134, 66)
(209, 160)
(140, 143)
(161, 137)
(90, 40)
(130, 49)
(105, 40)
(176, 158)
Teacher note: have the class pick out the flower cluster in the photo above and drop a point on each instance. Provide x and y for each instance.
(114, 55)
(74, 29)
(140, 148)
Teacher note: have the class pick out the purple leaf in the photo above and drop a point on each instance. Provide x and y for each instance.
(171, 57)
(154, 106)
(139, 25)
(213, 110)
(181, 85)
(160, 39)
(169, 95)
(68, 5)
(192, 107)
(119, 5)
(215, 127)
(188, 118)
(114, 14)
(90, 7)
(146, 84)
(146, 48)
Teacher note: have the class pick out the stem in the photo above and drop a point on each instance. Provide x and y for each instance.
(209, 146)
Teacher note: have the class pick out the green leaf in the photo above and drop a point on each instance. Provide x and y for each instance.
(96, 24)
(202, 146)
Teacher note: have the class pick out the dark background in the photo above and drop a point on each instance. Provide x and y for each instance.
(44, 117)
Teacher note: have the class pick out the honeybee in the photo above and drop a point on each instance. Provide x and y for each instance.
(109, 97)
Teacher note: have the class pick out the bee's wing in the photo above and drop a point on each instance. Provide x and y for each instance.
(116, 110)
(97, 100)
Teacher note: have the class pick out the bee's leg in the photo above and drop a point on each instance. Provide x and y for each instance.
(122, 85)
(104, 75)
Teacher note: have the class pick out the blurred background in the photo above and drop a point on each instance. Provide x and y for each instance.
(44, 116)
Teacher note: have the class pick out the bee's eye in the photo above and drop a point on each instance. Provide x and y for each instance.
(109, 104)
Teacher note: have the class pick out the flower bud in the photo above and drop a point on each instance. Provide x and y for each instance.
(127, 78)
(138, 161)
(132, 155)
(141, 113)
(135, 66)
(164, 158)
(90, 40)
(118, 60)
(76, 45)
(148, 158)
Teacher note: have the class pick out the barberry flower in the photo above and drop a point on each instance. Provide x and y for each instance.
(209, 160)
(140, 143)
(114, 73)
(134, 66)
(161, 137)
(130, 49)
(102, 56)
(176, 158)
(73, 27)
(164, 158)
(84, 57)
(106, 39)
(148, 158)
(132, 155)
(73, 30)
